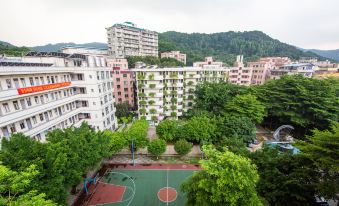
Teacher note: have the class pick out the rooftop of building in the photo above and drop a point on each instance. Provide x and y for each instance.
(130, 25)
(55, 54)
(82, 47)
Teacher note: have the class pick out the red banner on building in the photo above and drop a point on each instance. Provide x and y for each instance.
(34, 89)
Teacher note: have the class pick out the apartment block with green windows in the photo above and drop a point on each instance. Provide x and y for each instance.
(168, 92)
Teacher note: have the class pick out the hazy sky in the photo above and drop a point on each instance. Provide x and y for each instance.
(303, 23)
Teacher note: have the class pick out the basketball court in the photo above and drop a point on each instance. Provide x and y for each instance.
(141, 185)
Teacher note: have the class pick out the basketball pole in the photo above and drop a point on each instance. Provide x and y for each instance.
(133, 152)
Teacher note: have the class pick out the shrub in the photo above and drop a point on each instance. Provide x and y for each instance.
(142, 102)
(153, 111)
(152, 86)
(152, 94)
(167, 129)
(157, 147)
(142, 111)
(141, 94)
(182, 147)
(174, 100)
(151, 102)
(154, 118)
(173, 107)
(173, 114)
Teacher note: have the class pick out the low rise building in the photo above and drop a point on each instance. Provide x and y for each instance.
(305, 69)
(43, 91)
(208, 62)
(176, 55)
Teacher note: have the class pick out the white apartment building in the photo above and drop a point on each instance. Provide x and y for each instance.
(175, 55)
(126, 39)
(48, 90)
(305, 69)
(168, 92)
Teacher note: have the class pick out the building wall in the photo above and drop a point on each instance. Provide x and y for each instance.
(168, 92)
(127, 39)
(208, 61)
(176, 55)
(35, 100)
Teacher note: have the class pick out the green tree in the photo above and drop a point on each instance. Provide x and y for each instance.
(212, 97)
(182, 147)
(322, 149)
(245, 105)
(198, 129)
(157, 147)
(167, 130)
(138, 133)
(236, 126)
(226, 179)
(16, 187)
(285, 179)
(305, 103)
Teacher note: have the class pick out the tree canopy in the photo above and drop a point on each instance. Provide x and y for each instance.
(234, 184)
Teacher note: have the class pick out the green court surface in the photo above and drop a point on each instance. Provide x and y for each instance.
(142, 186)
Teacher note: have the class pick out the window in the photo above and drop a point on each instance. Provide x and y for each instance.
(34, 120)
(41, 117)
(125, 82)
(28, 100)
(42, 80)
(37, 80)
(124, 75)
(52, 79)
(126, 89)
(16, 82)
(119, 93)
(126, 95)
(9, 83)
(49, 81)
(22, 125)
(6, 107)
(12, 128)
(36, 99)
(31, 81)
(23, 82)
(16, 105)
(118, 86)
(118, 79)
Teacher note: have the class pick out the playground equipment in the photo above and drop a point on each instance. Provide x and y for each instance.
(89, 180)
(282, 139)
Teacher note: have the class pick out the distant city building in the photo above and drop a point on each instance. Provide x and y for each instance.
(168, 92)
(308, 59)
(84, 50)
(123, 79)
(126, 39)
(208, 62)
(239, 74)
(305, 69)
(261, 70)
(43, 91)
(176, 55)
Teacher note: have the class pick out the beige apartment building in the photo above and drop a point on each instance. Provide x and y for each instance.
(176, 55)
(126, 39)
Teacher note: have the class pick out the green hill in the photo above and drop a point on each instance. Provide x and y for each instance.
(11, 50)
(225, 46)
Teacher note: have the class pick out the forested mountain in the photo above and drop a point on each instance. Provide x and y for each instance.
(58, 46)
(332, 54)
(225, 46)
(10, 50)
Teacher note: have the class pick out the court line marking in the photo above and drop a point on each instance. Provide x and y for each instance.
(176, 194)
(133, 190)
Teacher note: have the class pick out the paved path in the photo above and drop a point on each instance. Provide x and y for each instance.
(151, 133)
